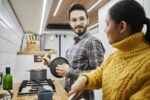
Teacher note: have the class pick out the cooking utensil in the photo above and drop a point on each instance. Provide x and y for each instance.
(42, 63)
(38, 75)
(54, 63)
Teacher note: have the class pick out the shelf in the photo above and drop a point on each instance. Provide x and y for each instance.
(37, 52)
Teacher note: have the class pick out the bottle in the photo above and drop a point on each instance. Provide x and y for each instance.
(7, 80)
(1, 78)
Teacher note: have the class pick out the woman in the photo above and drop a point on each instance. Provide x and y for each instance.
(126, 73)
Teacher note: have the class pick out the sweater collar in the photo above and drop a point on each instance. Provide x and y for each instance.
(134, 42)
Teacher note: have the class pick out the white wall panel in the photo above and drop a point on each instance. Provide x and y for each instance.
(10, 36)
(6, 58)
(102, 13)
(67, 42)
(8, 16)
(7, 46)
(147, 7)
(140, 1)
(10, 64)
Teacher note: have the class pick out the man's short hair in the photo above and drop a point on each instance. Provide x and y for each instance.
(77, 6)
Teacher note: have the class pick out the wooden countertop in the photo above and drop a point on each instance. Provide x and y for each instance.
(60, 93)
(37, 52)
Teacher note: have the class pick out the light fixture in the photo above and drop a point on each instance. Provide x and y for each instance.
(57, 8)
(51, 38)
(93, 26)
(93, 6)
(43, 13)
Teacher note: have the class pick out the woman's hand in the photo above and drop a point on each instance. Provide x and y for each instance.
(78, 86)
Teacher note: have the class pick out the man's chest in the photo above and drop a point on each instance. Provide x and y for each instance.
(76, 52)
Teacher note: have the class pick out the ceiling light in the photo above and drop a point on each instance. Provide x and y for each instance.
(43, 13)
(93, 26)
(52, 38)
(93, 6)
(58, 6)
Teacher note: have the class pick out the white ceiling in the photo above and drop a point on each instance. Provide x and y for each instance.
(29, 13)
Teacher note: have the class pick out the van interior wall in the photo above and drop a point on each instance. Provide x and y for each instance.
(10, 36)
(66, 42)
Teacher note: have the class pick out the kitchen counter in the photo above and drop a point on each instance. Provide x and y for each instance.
(60, 93)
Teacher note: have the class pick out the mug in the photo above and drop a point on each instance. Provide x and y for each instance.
(45, 95)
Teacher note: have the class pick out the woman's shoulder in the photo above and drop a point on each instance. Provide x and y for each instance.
(111, 56)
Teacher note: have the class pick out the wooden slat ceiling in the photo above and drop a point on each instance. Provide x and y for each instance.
(62, 14)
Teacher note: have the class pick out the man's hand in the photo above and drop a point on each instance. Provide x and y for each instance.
(78, 86)
(45, 60)
(62, 70)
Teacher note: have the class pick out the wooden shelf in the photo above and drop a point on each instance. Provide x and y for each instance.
(37, 52)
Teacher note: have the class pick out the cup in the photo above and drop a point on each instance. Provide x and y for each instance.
(45, 95)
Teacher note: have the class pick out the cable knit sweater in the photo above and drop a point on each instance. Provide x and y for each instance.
(125, 75)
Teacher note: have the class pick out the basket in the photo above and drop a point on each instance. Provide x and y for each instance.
(33, 46)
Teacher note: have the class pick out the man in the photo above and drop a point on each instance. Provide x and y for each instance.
(86, 53)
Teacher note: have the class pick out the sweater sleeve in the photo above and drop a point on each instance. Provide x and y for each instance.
(143, 93)
(94, 78)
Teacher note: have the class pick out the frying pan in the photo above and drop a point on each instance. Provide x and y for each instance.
(54, 63)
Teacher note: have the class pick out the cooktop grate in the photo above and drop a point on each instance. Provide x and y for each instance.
(32, 87)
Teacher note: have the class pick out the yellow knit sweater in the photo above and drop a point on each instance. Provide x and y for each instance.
(125, 75)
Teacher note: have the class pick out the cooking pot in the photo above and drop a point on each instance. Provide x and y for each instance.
(53, 64)
(38, 75)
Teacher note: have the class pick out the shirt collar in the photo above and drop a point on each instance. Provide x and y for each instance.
(77, 38)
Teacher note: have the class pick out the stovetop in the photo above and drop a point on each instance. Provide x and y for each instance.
(32, 87)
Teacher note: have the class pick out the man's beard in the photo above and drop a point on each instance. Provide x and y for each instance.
(79, 33)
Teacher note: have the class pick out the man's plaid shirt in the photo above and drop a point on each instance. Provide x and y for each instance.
(86, 54)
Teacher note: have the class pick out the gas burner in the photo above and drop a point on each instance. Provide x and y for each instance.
(32, 87)
(36, 88)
